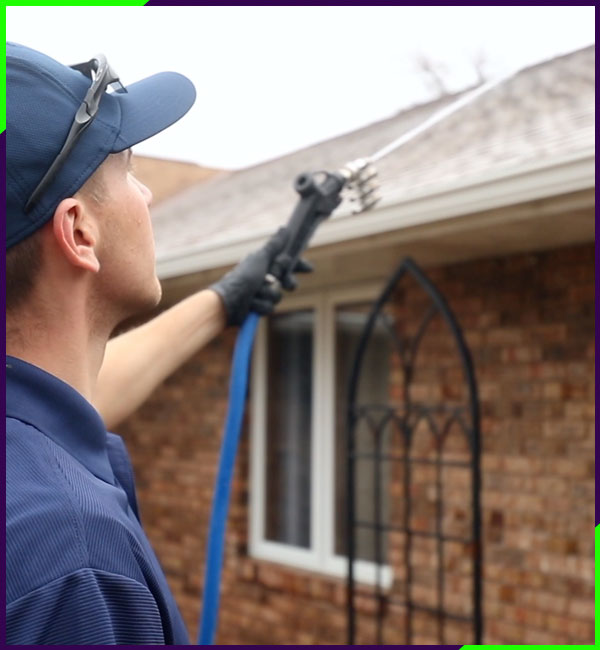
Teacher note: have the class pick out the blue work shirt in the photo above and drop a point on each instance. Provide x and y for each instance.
(79, 568)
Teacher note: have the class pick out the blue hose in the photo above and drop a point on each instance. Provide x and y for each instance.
(220, 506)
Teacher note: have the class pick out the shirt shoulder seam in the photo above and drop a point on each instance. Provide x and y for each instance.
(75, 510)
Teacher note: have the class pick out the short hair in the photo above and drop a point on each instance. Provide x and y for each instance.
(95, 187)
(23, 264)
(24, 259)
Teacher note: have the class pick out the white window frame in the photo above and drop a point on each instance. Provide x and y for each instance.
(320, 556)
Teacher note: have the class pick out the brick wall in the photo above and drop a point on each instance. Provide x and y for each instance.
(529, 321)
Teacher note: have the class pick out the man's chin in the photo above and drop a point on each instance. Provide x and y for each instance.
(152, 300)
(157, 293)
(139, 308)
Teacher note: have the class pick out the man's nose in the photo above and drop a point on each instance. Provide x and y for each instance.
(145, 191)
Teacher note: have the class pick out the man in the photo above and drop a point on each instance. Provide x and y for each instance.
(80, 260)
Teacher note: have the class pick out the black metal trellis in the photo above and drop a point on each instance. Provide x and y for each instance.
(406, 416)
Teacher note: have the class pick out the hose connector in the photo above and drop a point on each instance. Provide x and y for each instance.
(361, 180)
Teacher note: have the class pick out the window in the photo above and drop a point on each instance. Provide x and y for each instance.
(302, 360)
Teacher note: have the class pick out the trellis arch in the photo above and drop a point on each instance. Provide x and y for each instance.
(406, 417)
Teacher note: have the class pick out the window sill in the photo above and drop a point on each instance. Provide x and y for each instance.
(334, 566)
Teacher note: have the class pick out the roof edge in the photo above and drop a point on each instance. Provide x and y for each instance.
(500, 188)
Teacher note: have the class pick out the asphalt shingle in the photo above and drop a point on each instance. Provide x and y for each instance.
(544, 111)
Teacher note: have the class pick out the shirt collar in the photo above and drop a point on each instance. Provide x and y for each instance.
(58, 411)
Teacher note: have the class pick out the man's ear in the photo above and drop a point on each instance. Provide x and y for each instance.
(76, 234)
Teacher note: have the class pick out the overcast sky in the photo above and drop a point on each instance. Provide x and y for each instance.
(271, 80)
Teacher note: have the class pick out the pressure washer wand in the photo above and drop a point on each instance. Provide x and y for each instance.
(320, 194)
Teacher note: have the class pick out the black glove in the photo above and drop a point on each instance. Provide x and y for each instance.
(245, 288)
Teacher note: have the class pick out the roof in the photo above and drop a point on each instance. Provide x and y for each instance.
(541, 114)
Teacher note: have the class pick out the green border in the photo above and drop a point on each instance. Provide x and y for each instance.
(596, 574)
(3, 127)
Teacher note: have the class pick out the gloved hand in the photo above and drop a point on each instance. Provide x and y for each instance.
(245, 288)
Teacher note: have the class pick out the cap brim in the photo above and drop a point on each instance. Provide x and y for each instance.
(151, 105)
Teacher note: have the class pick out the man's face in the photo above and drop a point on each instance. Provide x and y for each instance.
(127, 279)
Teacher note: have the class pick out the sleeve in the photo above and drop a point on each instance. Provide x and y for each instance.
(87, 607)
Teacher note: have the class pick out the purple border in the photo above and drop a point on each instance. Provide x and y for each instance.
(3, 283)
(597, 311)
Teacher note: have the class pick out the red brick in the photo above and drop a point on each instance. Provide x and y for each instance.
(583, 609)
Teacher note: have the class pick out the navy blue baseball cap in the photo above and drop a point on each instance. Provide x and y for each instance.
(42, 99)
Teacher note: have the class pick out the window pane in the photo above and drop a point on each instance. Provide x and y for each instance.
(373, 389)
(289, 399)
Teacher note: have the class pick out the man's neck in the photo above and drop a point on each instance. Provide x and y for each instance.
(66, 348)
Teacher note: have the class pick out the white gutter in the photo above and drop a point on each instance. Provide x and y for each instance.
(560, 175)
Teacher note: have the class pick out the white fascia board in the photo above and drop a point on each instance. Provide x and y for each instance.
(561, 175)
